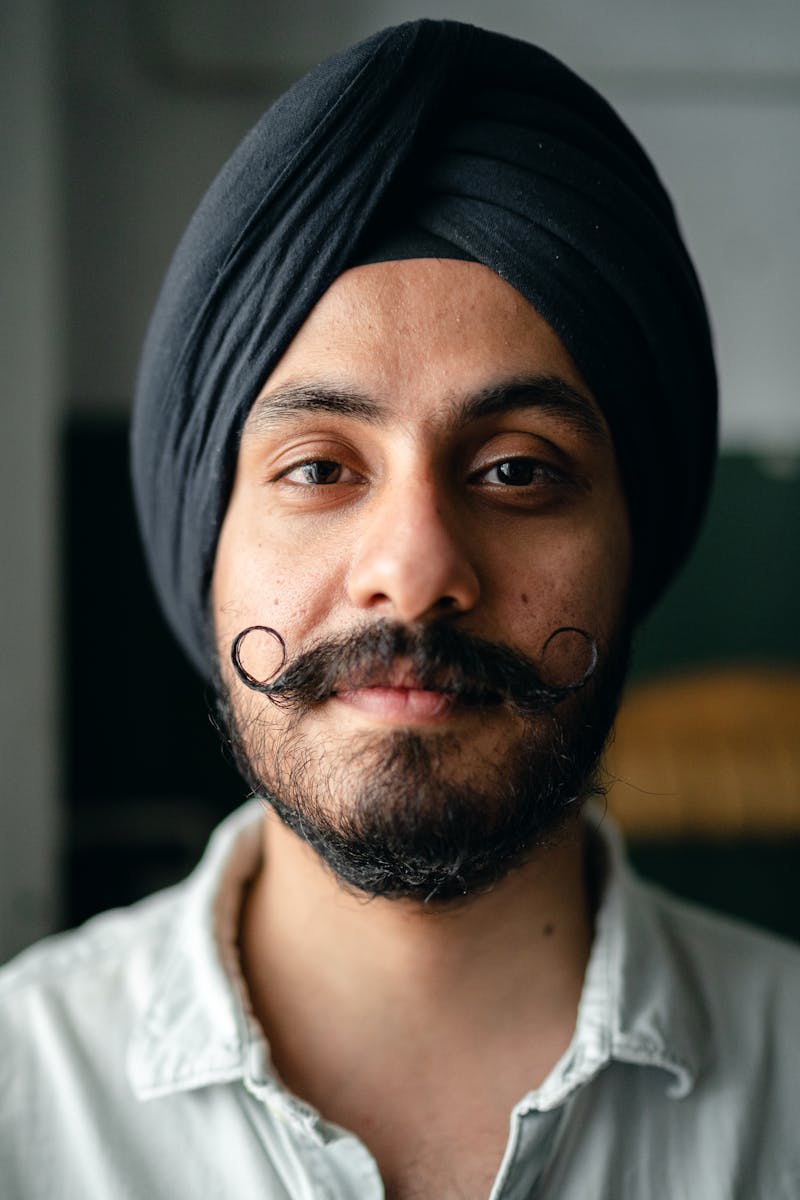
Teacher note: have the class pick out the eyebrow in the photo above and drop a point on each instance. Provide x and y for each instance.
(549, 394)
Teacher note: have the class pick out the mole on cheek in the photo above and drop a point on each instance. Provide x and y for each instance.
(524, 597)
(548, 930)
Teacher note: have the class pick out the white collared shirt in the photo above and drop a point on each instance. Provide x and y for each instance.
(131, 1067)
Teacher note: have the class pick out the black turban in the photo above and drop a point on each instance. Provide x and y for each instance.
(498, 149)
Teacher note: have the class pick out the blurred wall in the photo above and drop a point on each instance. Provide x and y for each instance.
(121, 112)
(156, 95)
(30, 353)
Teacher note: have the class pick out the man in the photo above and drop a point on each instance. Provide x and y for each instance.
(425, 422)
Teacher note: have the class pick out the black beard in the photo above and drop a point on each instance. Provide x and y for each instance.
(407, 826)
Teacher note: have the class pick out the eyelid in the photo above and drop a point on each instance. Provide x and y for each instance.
(297, 453)
(523, 435)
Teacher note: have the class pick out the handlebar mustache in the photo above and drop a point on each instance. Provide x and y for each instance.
(437, 657)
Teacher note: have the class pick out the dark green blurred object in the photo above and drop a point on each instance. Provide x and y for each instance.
(738, 599)
(758, 881)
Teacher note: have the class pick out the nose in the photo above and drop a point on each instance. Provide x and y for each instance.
(410, 559)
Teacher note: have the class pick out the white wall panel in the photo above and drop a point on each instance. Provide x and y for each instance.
(709, 35)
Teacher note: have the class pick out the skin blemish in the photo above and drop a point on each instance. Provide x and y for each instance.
(524, 597)
(548, 930)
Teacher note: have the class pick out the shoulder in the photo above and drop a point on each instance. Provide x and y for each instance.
(717, 1003)
(739, 987)
(78, 988)
(118, 950)
(723, 947)
(101, 944)
(67, 1006)
(677, 958)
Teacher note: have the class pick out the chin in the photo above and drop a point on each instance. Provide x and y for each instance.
(429, 814)
(410, 815)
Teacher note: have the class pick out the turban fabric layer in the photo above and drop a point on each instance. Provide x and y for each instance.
(498, 149)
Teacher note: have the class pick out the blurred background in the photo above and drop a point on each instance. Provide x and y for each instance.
(116, 114)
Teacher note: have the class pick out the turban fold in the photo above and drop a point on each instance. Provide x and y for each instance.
(499, 150)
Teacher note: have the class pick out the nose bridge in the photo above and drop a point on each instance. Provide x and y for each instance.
(410, 557)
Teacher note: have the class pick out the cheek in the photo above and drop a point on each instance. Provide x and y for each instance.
(603, 575)
(575, 577)
(600, 578)
(270, 581)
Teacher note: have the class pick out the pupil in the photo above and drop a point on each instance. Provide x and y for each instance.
(517, 471)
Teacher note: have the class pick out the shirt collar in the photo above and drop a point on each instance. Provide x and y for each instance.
(637, 1004)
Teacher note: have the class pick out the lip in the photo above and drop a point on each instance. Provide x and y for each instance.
(395, 704)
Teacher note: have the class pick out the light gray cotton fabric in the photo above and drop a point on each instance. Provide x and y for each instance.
(129, 1066)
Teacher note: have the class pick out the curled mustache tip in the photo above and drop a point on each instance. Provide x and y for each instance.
(594, 654)
(257, 685)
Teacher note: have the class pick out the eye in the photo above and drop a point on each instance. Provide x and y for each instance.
(316, 472)
(521, 472)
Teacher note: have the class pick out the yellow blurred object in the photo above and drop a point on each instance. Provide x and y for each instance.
(714, 754)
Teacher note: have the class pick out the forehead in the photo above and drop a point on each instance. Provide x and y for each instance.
(419, 334)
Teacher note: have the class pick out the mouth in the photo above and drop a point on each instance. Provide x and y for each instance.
(396, 704)
(401, 696)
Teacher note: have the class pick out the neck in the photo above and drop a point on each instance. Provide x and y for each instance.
(329, 969)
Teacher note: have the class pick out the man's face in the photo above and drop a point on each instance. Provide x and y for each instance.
(425, 456)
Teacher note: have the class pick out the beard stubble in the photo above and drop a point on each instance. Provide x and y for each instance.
(408, 814)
